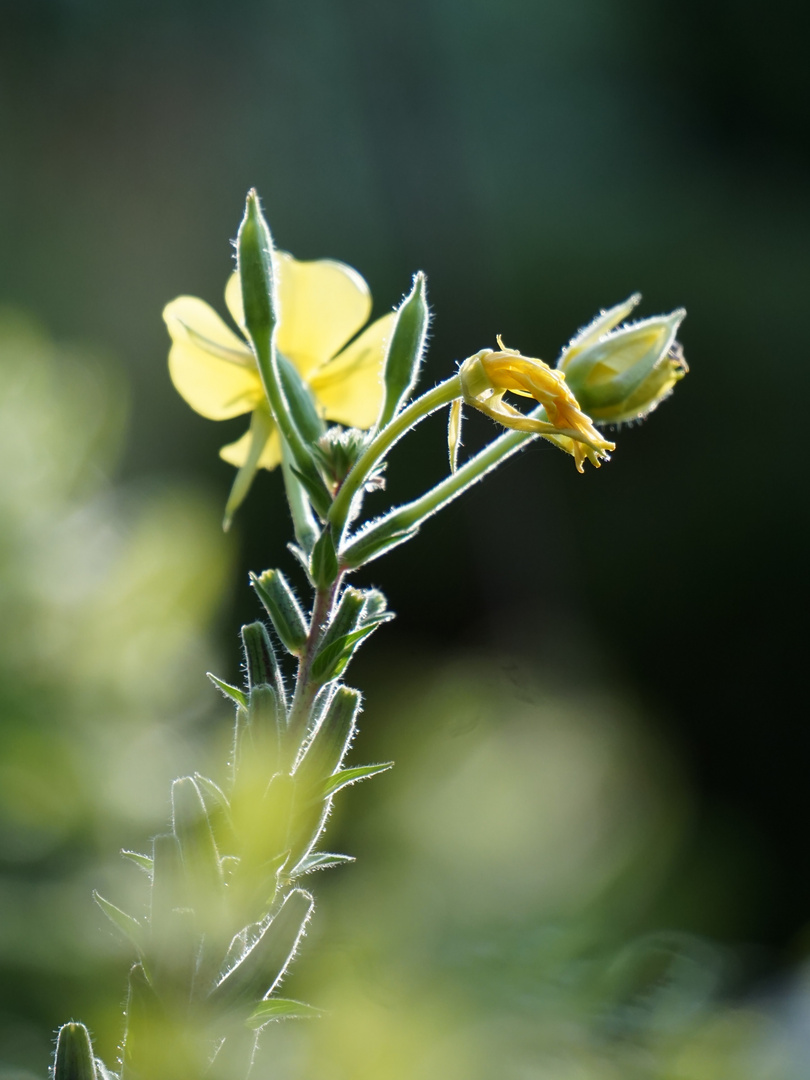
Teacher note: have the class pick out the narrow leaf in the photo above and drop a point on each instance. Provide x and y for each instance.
(261, 427)
(232, 692)
(324, 564)
(331, 661)
(146, 862)
(372, 542)
(344, 777)
(261, 968)
(322, 860)
(128, 926)
(316, 490)
(281, 1009)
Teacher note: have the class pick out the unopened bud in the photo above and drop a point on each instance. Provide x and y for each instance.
(623, 374)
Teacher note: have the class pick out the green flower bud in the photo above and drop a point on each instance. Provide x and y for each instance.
(74, 1058)
(623, 374)
(283, 608)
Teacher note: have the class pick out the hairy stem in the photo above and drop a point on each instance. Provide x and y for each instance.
(379, 446)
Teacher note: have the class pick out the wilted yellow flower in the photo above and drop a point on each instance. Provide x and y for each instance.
(322, 304)
(490, 374)
(623, 374)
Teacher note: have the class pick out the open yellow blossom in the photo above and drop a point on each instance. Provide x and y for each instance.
(322, 305)
(490, 374)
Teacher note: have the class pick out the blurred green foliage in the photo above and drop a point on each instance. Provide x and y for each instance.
(106, 592)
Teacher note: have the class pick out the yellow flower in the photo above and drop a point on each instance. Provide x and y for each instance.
(322, 304)
(490, 374)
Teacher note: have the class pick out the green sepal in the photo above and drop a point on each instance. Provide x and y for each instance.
(322, 860)
(299, 398)
(261, 661)
(284, 610)
(145, 862)
(281, 1009)
(74, 1058)
(261, 427)
(129, 927)
(371, 543)
(342, 779)
(261, 968)
(405, 350)
(323, 564)
(331, 739)
(332, 660)
(232, 692)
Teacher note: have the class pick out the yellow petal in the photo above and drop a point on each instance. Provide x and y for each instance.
(321, 305)
(233, 299)
(236, 453)
(350, 387)
(209, 365)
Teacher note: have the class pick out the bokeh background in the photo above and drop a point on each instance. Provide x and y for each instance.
(592, 855)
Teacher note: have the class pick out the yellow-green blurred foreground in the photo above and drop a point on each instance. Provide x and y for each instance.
(503, 921)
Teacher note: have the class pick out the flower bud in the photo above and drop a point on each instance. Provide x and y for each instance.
(621, 375)
(74, 1058)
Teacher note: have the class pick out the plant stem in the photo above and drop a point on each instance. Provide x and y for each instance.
(428, 403)
(413, 514)
(306, 690)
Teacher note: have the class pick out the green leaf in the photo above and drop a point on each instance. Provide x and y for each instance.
(146, 862)
(128, 926)
(344, 777)
(261, 968)
(373, 542)
(299, 398)
(232, 692)
(284, 610)
(74, 1058)
(281, 1009)
(316, 490)
(345, 618)
(324, 564)
(322, 860)
(331, 661)
(405, 350)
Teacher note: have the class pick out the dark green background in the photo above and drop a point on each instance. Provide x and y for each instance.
(539, 160)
